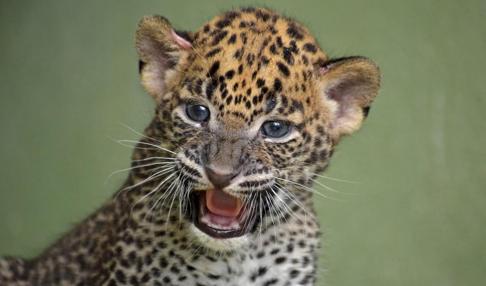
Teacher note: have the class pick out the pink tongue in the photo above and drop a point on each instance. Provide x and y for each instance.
(220, 203)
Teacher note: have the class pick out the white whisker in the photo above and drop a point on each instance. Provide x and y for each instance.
(152, 191)
(327, 187)
(163, 159)
(148, 144)
(138, 167)
(333, 178)
(308, 189)
(138, 133)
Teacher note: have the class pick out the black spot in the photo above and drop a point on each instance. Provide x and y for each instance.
(261, 15)
(310, 47)
(271, 282)
(254, 100)
(223, 23)
(244, 37)
(287, 55)
(264, 60)
(134, 280)
(229, 74)
(323, 155)
(214, 68)
(250, 58)
(224, 94)
(238, 114)
(306, 279)
(226, 21)
(285, 101)
(229, 99)
(163, 262)
(238, 54)
(213, 52)
(145, 278)
(232, 39)
(294, 32)
(280, 260)
(297, 105)
(218, 37)
(258, 273)
(294, 273)
(293, 47)
(120, 276)
(274, 251)
(174, 269)
(210, 88)
(260, 82)
(283, 69)
(273, 49)
(277, 85)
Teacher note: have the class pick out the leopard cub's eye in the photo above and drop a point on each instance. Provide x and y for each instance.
(196, 112)
(276, 128)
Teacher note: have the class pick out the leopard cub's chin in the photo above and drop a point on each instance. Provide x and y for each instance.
(219, 244)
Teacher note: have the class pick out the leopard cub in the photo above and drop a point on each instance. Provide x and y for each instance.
(248, 110)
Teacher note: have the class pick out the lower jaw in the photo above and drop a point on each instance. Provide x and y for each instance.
(220, 233)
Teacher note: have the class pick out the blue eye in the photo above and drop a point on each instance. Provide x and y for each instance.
(276, 128)
(196, 112)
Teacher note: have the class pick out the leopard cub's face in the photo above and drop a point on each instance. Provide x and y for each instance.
(250, 107)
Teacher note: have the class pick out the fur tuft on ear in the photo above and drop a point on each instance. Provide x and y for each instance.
(160, 49)
(349, 86)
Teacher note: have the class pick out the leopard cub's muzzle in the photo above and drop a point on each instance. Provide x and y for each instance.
(232, 178)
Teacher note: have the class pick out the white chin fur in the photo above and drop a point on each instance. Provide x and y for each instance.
(223, 245)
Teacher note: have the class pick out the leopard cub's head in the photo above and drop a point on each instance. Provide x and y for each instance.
(250, 108)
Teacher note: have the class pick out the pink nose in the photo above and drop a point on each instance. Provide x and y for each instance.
(219, 180)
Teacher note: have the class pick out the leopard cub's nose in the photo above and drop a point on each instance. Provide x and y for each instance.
(218, 179)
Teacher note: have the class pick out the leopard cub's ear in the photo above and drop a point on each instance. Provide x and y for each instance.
(160, 49)
(348, 86)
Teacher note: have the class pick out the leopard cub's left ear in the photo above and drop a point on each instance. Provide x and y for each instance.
(348, 86)
(161, 50)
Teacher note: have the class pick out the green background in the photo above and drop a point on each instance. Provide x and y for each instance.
(417, 214)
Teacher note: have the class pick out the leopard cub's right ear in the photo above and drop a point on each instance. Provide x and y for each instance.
(349, 86)
(160, 49)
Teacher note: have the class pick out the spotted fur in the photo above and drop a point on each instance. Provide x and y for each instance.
(247, 66)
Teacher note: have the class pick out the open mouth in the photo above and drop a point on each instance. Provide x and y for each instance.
(221, 215)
